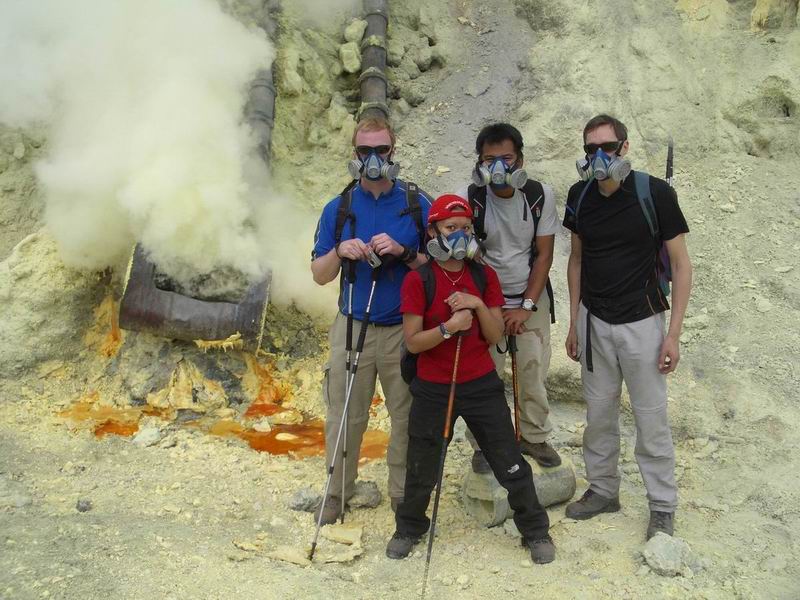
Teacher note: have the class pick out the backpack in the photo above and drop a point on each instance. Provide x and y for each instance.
(533, 192)
(408, 360)
(413, 208)
(641, 182)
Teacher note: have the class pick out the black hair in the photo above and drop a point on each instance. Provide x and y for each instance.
(619, 128)
(497, 133)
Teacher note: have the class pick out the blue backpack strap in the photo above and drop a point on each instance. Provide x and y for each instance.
(642, 182)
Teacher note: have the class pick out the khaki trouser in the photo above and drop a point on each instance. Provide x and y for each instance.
(380, 358)
(627, 352)
(533, 360)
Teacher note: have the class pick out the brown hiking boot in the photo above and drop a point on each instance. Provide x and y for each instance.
(591, 504)
(543, 453)
(543, 550)
(659, 521)
(331, 510)
(479, 463)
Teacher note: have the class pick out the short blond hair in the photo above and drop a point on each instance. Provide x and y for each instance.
(374, 124)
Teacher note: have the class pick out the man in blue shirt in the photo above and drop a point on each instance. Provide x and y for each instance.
(383, 218)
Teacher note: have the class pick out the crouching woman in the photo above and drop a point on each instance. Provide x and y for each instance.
(449, 298)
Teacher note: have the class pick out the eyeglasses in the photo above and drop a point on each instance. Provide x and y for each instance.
(364, 150)
(608, 147)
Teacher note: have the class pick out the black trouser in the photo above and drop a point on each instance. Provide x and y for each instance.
(482, 404)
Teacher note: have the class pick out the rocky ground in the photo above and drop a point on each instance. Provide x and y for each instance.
(176, 512)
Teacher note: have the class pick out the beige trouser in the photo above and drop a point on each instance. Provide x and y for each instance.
(533, 360)
(627, 352)
(380, 358)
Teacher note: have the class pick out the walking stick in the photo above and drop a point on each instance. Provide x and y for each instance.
(351, 277)
(512, 350)
(445, 439)
(362, 334)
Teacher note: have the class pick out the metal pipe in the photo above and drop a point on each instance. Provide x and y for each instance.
(374, 85)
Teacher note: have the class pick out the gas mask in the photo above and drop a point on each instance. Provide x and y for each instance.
(498, 175)
(374, 168)
(602, 166)
(458, 245)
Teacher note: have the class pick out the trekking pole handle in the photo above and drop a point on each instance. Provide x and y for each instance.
(511, 343)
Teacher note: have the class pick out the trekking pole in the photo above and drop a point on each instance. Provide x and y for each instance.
(512, 350)
(669, 162)
(445, 439)
(362, 334)
(351, 277)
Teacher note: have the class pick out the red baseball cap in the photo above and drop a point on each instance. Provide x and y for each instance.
(448, 205)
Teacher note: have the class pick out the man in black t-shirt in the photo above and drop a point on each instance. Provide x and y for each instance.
(617, 320)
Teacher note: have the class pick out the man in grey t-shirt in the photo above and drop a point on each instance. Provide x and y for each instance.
(518, 237)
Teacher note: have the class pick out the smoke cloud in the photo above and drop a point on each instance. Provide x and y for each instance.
(143, 103)
(322, 12)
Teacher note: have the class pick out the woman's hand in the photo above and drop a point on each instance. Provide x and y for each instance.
(460, 321)
(462, 300)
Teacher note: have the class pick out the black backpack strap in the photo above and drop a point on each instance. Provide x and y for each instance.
(415, 210)
(534, 197)
(343, 213)
(477, 202)
(425, 271)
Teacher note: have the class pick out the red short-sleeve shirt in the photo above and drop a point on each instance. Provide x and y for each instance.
(436, 365)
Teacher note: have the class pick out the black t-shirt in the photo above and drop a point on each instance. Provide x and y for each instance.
(619, 283)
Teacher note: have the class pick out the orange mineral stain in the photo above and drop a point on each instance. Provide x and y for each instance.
(104, 419)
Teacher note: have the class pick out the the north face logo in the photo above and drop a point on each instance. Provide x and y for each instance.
(513, 469)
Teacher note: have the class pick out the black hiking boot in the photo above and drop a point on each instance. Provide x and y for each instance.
(543, 453)
(479, 464)
(400, 545)
(590, 505)
(331, 510)
(543, 550)
(659, 521)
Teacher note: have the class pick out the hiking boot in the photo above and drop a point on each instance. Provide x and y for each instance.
(591, 504)
(400, 545)
(543, 550)
(543, 453)
(331, 510)
(395, 502)
(659, 521)
(479, 464)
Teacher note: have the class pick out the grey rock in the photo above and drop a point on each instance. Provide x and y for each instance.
(669, 556)
(83, 505)
(367, 495)
(424, 58)
(350, 55)
(147, 437)
(305, 499)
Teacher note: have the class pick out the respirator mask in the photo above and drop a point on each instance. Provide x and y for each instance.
(370, 164)
(601, 165)
(498, 175)
(458, 245)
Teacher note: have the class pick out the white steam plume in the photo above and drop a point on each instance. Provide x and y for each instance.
(322, 12)
(144, 102)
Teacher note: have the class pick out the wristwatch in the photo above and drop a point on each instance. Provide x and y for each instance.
(409, 254)
(443, 330)
(529, 305)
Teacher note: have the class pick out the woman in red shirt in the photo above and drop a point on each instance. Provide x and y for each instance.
(459, 307)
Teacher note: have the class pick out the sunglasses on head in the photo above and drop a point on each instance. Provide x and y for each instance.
(608, 147)
(364, 150)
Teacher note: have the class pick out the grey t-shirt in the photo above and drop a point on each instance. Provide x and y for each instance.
(509, 233)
